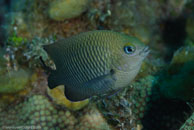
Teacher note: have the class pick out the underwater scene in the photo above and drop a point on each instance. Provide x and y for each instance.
(97, 64)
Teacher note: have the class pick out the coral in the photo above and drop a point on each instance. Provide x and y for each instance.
(15, 82)
(27, 34)
(173, 87)
(99, 13)
(127, 108)
(34, 50)
(143, 105)
(123, 12)
(92, 119)
(139, 13)
(177, 82)
(65, 9)
(57, 95)
(136, 17)
(27, 26)
(150, 22)
(189, 124)
(158, 99)
(38, 112)
(142, 94)
(22, 51)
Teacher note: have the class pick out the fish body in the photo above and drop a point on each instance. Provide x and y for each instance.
(95, 63)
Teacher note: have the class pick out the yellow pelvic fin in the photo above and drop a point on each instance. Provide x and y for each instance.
(57, 94)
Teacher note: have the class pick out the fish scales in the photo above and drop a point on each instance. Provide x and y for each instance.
(85, 54)
(86, 69)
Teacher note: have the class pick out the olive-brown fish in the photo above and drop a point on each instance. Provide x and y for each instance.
(95, 63)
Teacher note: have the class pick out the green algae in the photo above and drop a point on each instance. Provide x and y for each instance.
(16, 41)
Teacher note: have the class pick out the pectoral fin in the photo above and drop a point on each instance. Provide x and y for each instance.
(97, 86)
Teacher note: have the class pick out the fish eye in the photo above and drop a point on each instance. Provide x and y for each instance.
(129, 49)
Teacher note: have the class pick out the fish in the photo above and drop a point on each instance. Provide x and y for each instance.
(95, 63)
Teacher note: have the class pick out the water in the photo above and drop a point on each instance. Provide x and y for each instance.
(159, 98)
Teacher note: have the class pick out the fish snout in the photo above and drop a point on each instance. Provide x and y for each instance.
(144, 52)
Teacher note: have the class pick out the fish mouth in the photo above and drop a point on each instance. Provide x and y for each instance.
(145, 51)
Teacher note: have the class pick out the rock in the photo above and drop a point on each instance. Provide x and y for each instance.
(66, 9)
